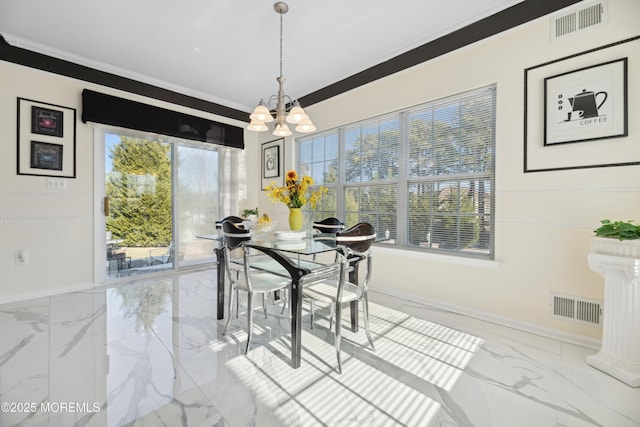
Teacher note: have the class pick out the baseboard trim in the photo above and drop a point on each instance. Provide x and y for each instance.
(493, 318)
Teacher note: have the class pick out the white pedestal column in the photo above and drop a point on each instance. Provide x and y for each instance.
(619, 355)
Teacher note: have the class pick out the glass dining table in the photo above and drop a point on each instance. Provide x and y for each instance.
(288, 258)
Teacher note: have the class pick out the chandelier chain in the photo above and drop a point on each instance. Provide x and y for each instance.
(281, 26)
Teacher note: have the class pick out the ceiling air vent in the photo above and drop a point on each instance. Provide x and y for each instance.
(578, 309)
(578, 19)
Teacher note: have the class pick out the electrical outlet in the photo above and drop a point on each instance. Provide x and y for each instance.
(22, 257)
(56, 183)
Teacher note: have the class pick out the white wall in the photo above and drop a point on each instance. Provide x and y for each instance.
(56, 227)
(544, 219)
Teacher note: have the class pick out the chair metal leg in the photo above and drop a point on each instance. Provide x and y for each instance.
(338, 334)
(330, 316)
(250, 317)
(237, 296)
(313, 312)
(230, 309)
(264, 304)
(365, 314)
(237, 303)
(285, 299)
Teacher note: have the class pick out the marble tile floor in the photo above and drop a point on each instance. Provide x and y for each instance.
(150, 353)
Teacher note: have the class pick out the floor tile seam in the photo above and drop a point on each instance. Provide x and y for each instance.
(186, 372)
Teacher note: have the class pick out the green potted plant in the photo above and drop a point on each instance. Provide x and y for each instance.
(250, 214)
(620, 238)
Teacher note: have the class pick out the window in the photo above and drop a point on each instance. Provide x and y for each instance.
(425, 174)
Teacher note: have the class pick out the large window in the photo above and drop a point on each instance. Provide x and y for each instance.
(424, 174)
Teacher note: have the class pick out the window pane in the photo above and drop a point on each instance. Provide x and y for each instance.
(451, 216)
(317, 173)
(332, 145)
(305, 149)
(446, 135)
(327, 206)
(375, 204)
(197, 203)
(318, 158)
(423, 199)
(138, 184)
(372, 151)
(389, 149)
(421, 144)
(353, 156)
(478, 125)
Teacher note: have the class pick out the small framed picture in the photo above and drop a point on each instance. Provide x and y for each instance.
(46, 156)
(272, 162)
(45, 121)
(46, 139)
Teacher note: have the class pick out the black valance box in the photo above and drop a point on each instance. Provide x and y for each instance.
(111, 110)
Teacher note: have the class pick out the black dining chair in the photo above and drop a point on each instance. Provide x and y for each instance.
(238, 221)
(249, 280)
(329, 225)
(232, 218)
(354, 244)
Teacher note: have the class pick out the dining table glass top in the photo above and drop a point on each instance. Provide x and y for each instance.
(307, 245)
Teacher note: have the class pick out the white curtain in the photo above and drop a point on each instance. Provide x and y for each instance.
(233, 182)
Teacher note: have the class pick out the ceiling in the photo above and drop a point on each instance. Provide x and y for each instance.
(227, 51)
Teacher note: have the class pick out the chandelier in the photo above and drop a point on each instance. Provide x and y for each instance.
(289, 112)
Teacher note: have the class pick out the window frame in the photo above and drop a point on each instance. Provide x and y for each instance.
(404, 180)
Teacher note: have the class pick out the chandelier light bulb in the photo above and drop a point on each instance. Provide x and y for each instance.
(262, 114)
(257, 126)
(305, 126)
(282, 130)
(297, 114)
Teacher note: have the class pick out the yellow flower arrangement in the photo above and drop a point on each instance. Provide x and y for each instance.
(294, 193)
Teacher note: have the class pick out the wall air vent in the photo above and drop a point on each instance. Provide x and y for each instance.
(578, 309)
(578, 19)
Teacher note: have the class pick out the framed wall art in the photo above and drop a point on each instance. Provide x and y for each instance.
(46, 156)
(576, 110)
(586, 104)
(46, 139)
(273, 163)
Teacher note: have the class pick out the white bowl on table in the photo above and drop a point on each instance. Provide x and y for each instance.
(289, 235)
(290, 244)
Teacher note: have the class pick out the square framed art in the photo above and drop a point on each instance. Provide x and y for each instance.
(586, 104)
(273, 163)
(576, 109)
(46, 139)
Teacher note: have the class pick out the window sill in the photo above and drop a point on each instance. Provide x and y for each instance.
(448, 259)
